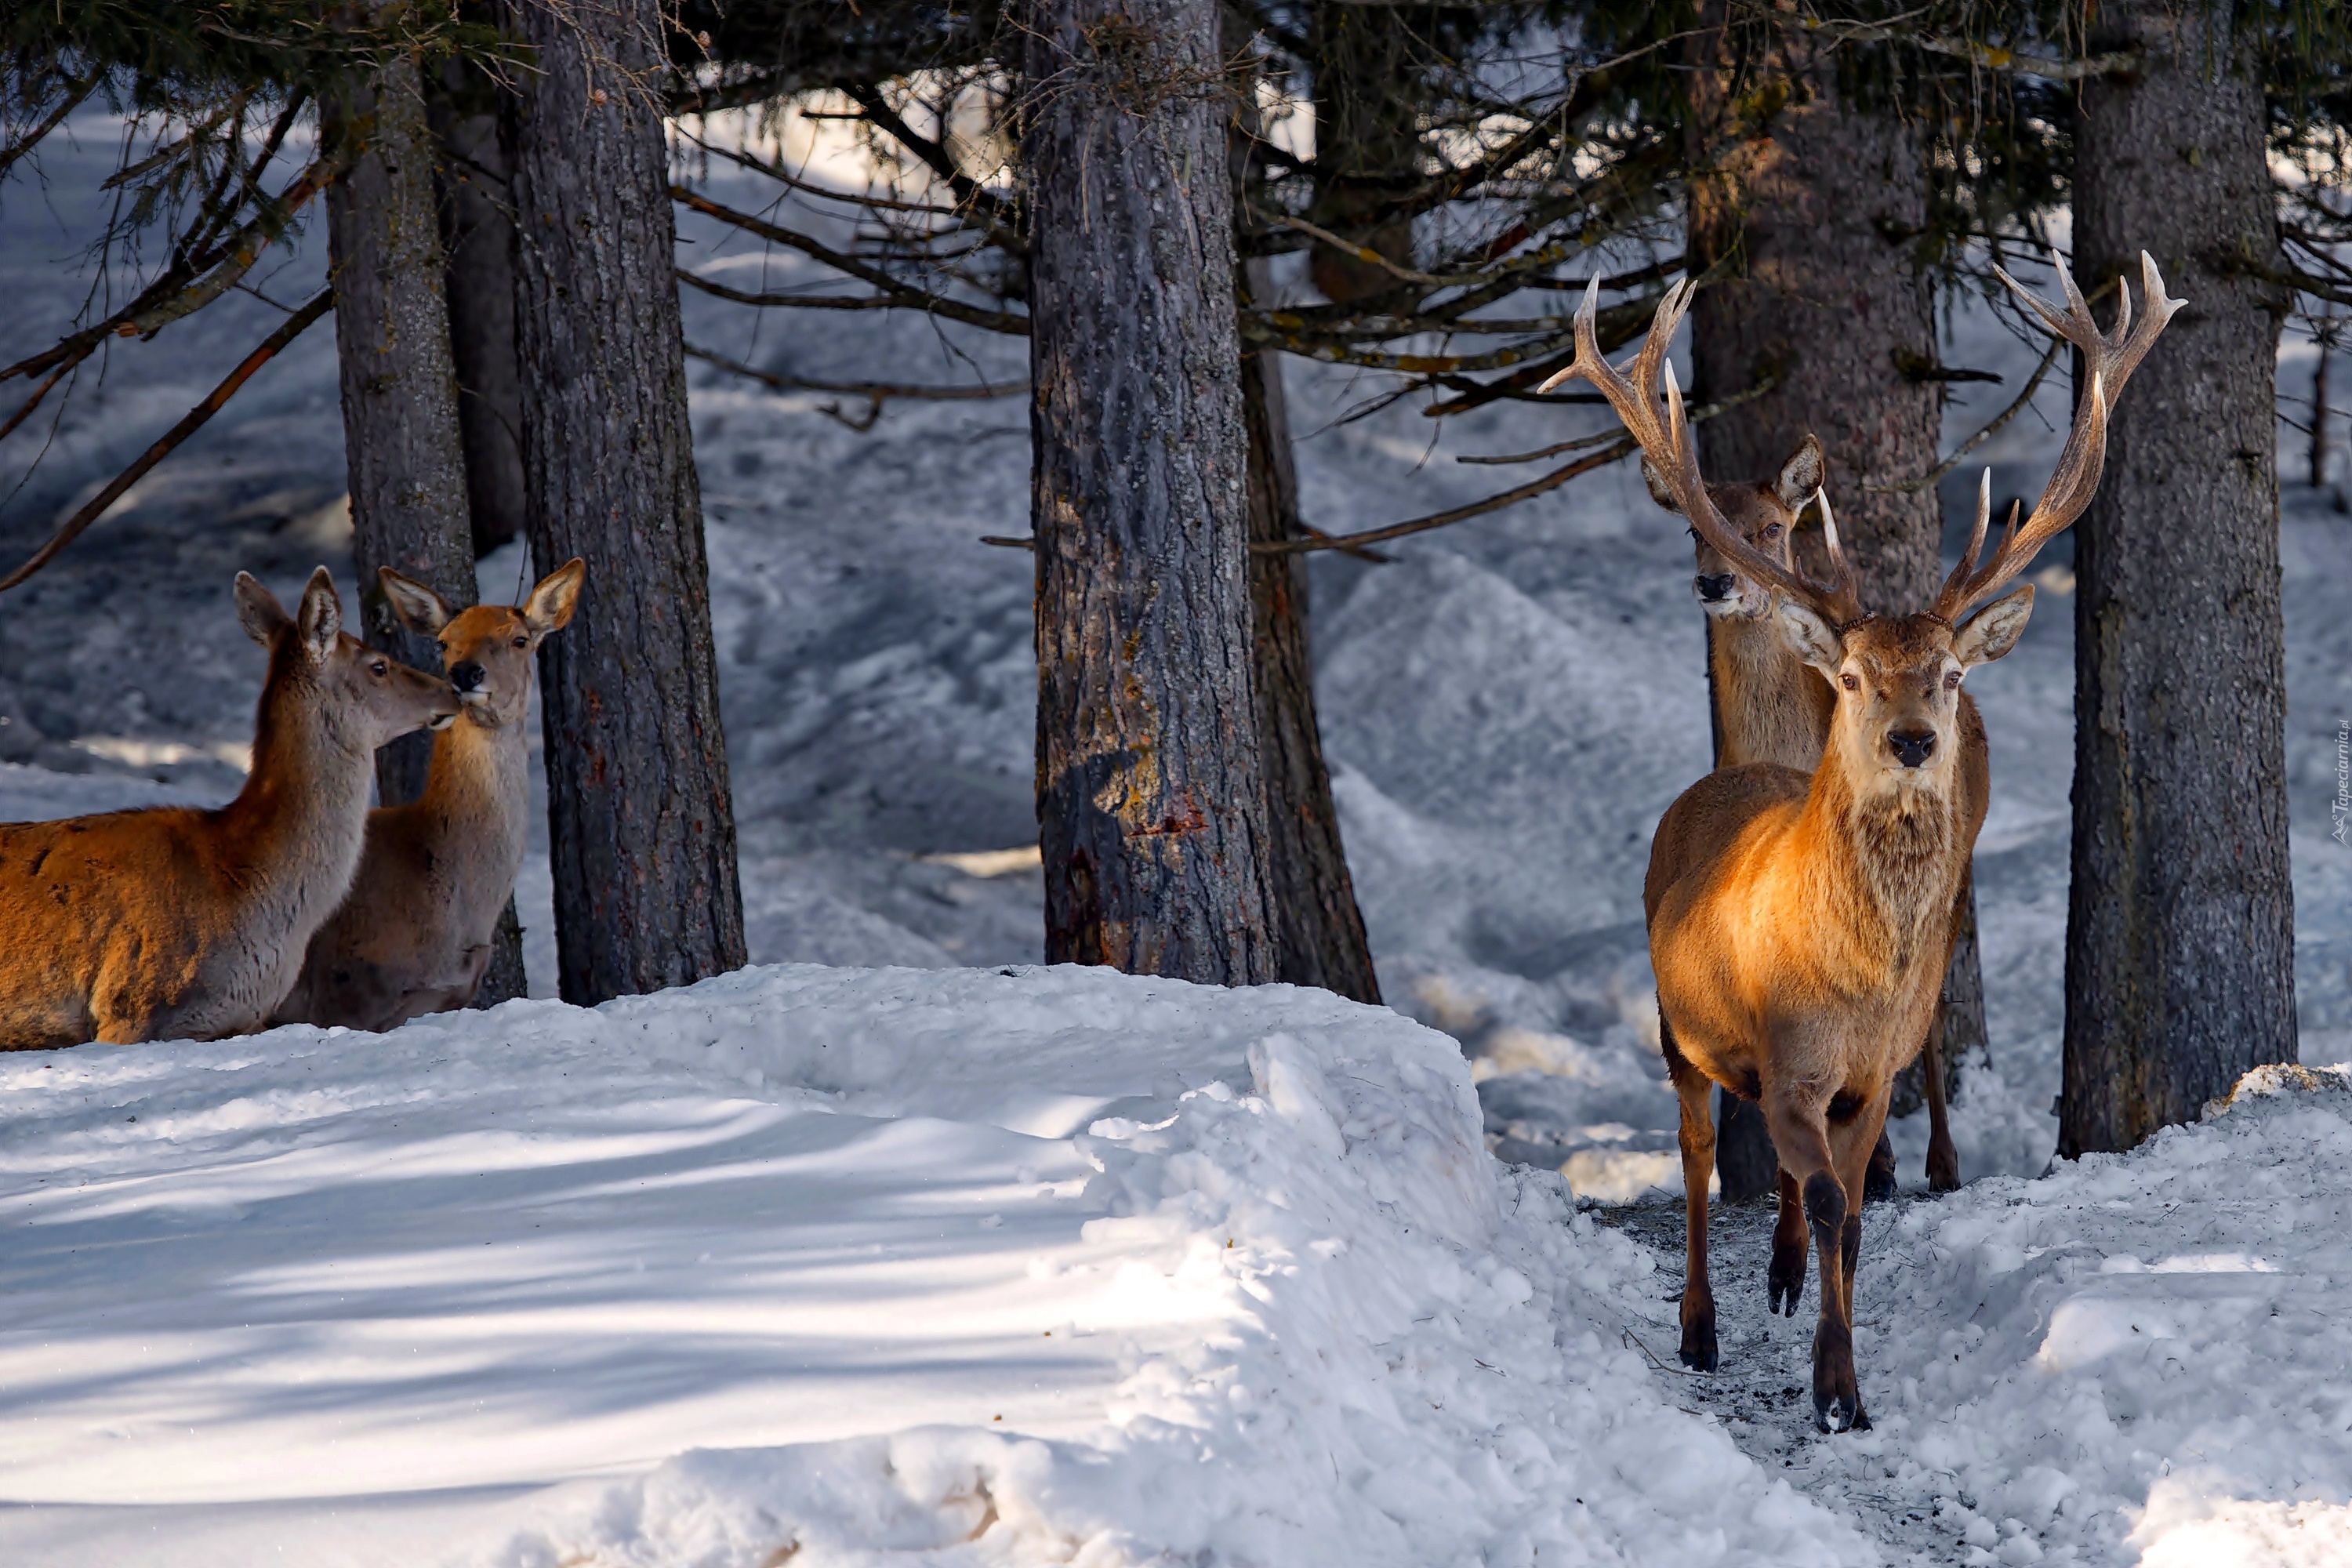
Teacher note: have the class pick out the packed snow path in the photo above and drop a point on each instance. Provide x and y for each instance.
(2130, 1361)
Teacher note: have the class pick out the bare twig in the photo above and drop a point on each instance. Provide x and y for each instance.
(876, 393)
(1984, 57)
(910, 297)
(192, 421)
(1960, 452)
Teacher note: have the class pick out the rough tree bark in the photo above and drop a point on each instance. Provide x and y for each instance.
(477, 187)
(1809, 213)
(1367, 139)
(401, 443)
(409, 466)
(1151, 810)
(641, 820)
(1319, 930)
(2180, 922)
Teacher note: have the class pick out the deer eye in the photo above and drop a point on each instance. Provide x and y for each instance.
(1850, 682)
(1951, 680)
(379, 667)
(523, 641)
(1772, 531)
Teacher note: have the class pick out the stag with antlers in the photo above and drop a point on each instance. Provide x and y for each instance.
(1800, 924)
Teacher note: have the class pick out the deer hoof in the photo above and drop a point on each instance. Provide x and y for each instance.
(1943, 1171)
(1843, 1414)
(1878, 1181)
(1701, 1357)
(1786, 1282)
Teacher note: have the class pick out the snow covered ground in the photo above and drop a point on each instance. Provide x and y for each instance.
(303, 1347)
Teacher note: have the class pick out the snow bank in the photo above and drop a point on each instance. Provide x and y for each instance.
(1035, 1265)
(2133, 1359)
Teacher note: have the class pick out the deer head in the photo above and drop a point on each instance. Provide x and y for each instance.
(353, 695)
(488, 649)
(1896, 678)
(1765, 515)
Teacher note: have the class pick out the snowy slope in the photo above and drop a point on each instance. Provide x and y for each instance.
(1078, 1264)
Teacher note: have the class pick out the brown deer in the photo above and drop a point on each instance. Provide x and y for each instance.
(172, 923)
(415, 935)
(1800, 925)
(1772, 708)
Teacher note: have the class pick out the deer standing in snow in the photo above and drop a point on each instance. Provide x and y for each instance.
(1772, 708)
(173, 922)
(1800, 925)
(415, 935)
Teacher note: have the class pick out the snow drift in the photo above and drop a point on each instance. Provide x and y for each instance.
(1029, 1266)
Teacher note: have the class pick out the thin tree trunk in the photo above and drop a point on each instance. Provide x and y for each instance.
(1319, 930)
(2181, 922)
(400, 441)
(476, 137)
(1825, 300)
(475, 134)
(2319, 411)
(641, 822)
(1367, 139)
(1151, 810)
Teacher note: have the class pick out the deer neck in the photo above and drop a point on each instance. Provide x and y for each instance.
(477, 798)
(1888, 858)
(1774, 707)
(296, 829)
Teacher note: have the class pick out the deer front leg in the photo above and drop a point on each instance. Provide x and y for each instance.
(1787, 1280)
(1695, 1090)
(1802, 1134)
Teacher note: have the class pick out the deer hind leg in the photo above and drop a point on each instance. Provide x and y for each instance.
(1695, 1093)
(1943, 1157)
(1787, 1280)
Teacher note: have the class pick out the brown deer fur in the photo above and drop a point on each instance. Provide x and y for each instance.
(1798, 925)
(415, 935)
(179, 924)
(1773, 708)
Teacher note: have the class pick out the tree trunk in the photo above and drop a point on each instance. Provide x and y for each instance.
(400, 441)
(2181, 922)
(1318, 931)
(1151, 811)
(2318, 455)
(1810, 214)
(476, 188)
(1366, 140)
(642, 825)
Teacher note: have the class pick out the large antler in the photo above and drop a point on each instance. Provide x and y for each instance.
(2108, 360)
(1666, 444)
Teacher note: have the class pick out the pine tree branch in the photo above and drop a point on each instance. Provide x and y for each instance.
(193, 420)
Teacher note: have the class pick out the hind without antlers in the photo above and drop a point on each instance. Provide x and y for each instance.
(1800, 925)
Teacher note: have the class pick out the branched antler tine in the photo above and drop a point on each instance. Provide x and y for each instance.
(2081, 333)
(2071, 488)
(1676, 461)
(1947, 598)
(2132, 347)
(1842, 579)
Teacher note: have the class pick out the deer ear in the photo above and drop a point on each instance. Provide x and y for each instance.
(557, 595)
(420, 609)
(319, 621)
(257, 609)
(1801, 474)
(1809, 636)
(1993, 630)
(1658, 490)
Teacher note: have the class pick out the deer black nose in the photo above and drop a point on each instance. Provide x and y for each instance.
(1714, 590)
(467, 677)
(1912, 748)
